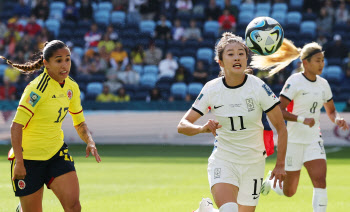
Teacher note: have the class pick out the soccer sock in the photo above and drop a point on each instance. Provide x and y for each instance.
(229, 207)
(319, 200)
(278, 190)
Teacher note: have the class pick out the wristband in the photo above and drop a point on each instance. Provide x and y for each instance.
(300, 119)
(338, 119)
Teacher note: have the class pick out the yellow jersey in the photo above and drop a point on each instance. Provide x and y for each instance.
(43, 106)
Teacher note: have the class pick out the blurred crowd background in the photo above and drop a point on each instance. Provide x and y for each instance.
(162, 50)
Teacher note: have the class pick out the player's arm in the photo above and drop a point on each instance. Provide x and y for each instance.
(276, 118)
(16, 141)
(187, 126)
(290, 116)
(85, 135)
(334, 115)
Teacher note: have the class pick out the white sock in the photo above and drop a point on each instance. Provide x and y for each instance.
(229, 207)
(319, 200)
(278, 190)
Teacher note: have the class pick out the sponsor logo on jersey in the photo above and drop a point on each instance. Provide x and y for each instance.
(216, 107)
(267, 89)
(256, 197)
(236, 105)
(33, 98)
(217, 173)
(70, 94)
(250, 104)
(21, 184)
(286, 88)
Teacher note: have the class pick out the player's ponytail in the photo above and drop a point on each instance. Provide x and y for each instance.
(30, 67)
(278, 60)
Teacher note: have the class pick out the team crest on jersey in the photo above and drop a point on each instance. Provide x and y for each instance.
(33, 98)
(250, 104)
(286, 88)
(70, 94)
(217, 173)
(267, 89)
(21, 184)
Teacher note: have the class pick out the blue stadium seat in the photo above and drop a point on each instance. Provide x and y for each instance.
(148, 81)
(205, 54)
(280, 7)
(57, 5)
(333, 73)
(102, 17)
(150, 69)
(168, 23)
(211, 26)
(334, 61)
(178, 90)
(82, 95)
(194, 88)
(308, 27)
(56, 14)
(138, 69)
(247, 7)
(263, 7)
(164, 83)
(147, 26)
(188, 63)
(189, 51)
(69, 25)
(94, 88)
(118, 17)
(105, 7)
(279, 16)
(236, 2)
(296, 5)
(294, 18)
(53, 25)
(220, 3)
(262, 13)
(133, 18)
(244, 18)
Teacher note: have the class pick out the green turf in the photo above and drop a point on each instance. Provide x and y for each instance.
(169, 179)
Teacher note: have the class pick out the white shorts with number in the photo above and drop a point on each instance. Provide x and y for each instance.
(247, 177)
(298, 154)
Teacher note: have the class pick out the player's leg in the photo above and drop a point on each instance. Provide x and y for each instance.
(251, 179)
(66, 188)
(33, 202)
(293, 164)
(224, 185)
(63, 180)
(317, 168)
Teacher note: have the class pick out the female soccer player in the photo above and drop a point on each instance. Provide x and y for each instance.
(41, 156)
(236, 166)
(302, 97)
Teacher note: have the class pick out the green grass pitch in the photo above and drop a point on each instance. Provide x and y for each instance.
(157, 178)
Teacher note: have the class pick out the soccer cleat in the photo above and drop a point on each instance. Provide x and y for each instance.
(19, 208)
(206, 205)
(266, 186)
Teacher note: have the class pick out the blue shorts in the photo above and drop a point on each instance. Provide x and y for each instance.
(42, 172)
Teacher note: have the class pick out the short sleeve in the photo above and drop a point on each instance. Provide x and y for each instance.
(75, 108)
(202, 102)
(328, 92)
(268, 100)
(30, 100)
(289, 89)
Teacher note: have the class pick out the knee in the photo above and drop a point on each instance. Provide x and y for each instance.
(289, 192)
(74, 207)
(319, 182)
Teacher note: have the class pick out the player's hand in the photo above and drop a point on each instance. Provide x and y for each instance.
(91, 147)
(342, 124)
(211, 126)
(309, 121)
(19, 172)
(279, 174)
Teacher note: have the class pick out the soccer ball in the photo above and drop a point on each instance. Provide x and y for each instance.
(264, 35)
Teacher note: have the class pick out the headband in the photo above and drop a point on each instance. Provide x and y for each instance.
(313, 53)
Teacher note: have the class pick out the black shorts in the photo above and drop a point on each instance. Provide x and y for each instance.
(42, 172)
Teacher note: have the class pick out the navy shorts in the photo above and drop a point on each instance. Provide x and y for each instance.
(42, 172)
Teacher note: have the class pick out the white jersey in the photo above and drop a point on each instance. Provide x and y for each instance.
(238, 109)
(307, 98)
